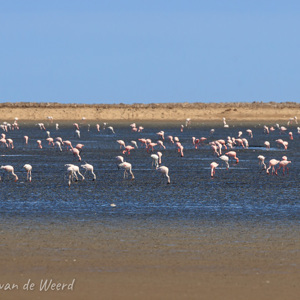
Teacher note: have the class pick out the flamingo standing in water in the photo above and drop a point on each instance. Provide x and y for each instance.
(72, 172)
(26, 139)
(121, 143)
(233, 155)
(272, 164)
(156, 159)
(267, 144)
(127, 167)
(76, 153)
(89, 168)
(165, 171)
(10, 169)
(213, 166)
(128, 149)
(39, 142)
(262, 161)
(283, 164)
(226, 160)
(28, 169)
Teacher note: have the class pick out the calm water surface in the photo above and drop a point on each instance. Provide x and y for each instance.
(240, 195)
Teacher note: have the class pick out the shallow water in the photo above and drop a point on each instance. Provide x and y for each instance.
(239, 195)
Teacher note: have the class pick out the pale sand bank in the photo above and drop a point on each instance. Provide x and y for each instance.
(148, 112)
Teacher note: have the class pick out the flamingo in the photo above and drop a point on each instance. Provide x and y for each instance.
(50, 141)
(68, 144)
(3, 141)
(10, 169)
(140, 129)
(121, 143)
(10, 143)
(249, 131)
(155, 160)
(213, 166)
(272, 164)
(28, 168)
(128, 149)
(39, 142)
(90, 168)
(77, 133)
(161, 134)
(57, 126)
(226, 160)
(76, 153)
(291, 135)
(79, 147)
(233, 155)
(98, 127)
(26, 139)
(111, 129)
(135, 144)
(127, 167)
(170, 138)
(165, 171)
(161, 144)
(72, 170)
(58, 144)
(283, 164)
(262, 161)
(267, 144)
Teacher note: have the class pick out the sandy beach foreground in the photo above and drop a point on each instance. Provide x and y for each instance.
(162, 112)
(137, 260)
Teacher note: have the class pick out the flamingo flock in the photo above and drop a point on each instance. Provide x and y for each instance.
(226, 149)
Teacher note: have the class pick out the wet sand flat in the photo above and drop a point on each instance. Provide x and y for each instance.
(162, 112)
(133, 261)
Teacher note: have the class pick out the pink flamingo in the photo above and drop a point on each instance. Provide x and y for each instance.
(79, 147)
(272, 164)
(76, 153)
(143, 142)
(68, 144)
(161, 134)
(249, 131)
(3, 141)
(10, 169)
(262, 161)
(39, 142)
(170, 139)
(128, 149)
(151, 145)
(165, 171)
(10, 143)
(140, 129)
(50, 141)
(266, 129)
(58, 144)
(291, 135)
(240, 142)
(213, 166)
(284, 166)
(121, 143)
(60, 140)
(127, 167)
(267, 144)
(98, 127)
(76, 126)
(233, 155)
(26, 139)
(28, 169)
(161, 144)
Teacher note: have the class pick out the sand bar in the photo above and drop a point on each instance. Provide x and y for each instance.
(148, 112)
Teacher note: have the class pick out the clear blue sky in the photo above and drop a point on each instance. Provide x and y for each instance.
(139, 51)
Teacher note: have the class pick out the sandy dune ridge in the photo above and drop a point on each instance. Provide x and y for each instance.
(161, 112)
